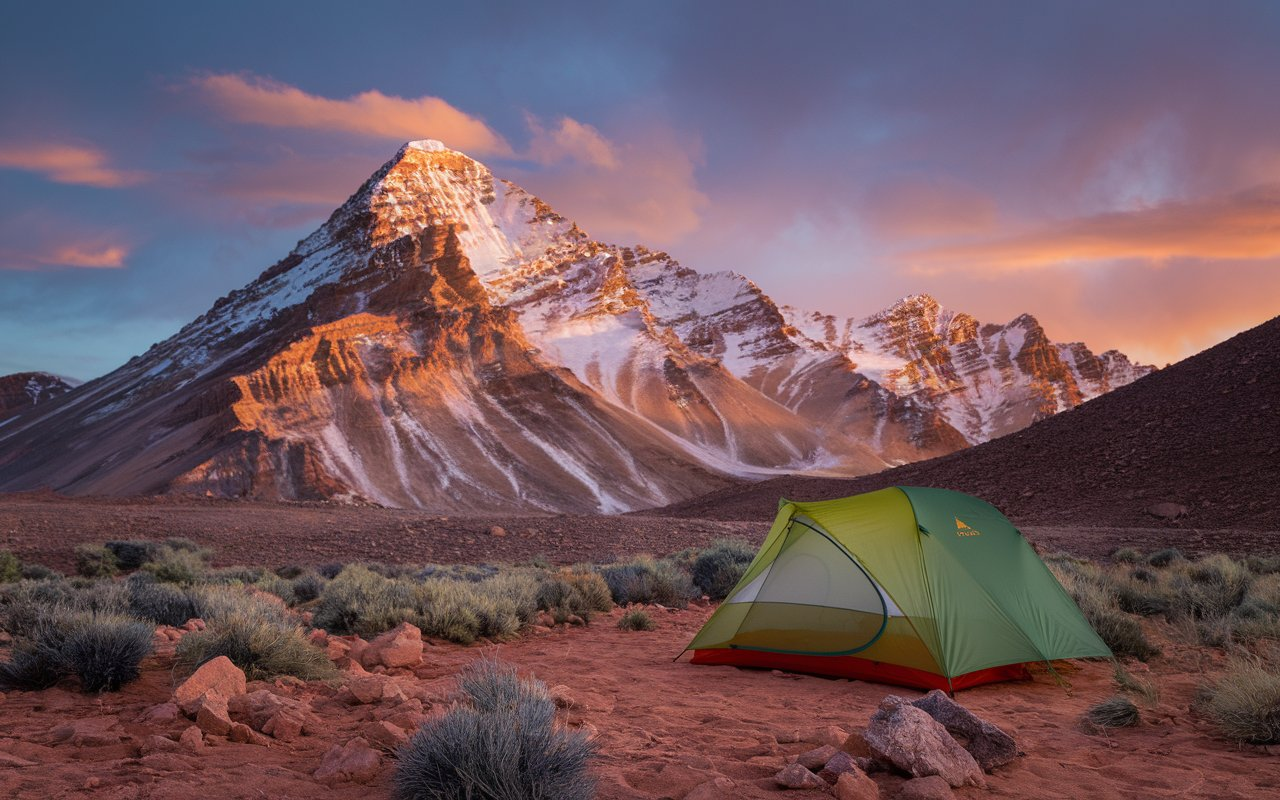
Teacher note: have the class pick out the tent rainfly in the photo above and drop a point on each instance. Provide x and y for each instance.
(918, 587)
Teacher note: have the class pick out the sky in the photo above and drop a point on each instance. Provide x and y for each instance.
(1111, 168)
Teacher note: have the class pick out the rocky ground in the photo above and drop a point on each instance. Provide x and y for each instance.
(663, 728)
(45, 528)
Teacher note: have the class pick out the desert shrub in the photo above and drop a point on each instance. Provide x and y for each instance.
(1126, 555)
(176, 566)
(39, 572)
(185, 545)
(232, 575)
(393, 571)
(458, 572)
(1244, 703)
(10, 567)
(132, 554)
(214, 603)
(1141, 687)
(1163, 558)
(1140, 597)
(646, 580)
(1114, 712)
(1122, 633)
(160, 603)
(574, 591)
(636, 620)
(462, 612)
(290, 571)
(95, 561)
(307, 587)
(1143, 575)
(102, 650)
(1097, 599)
(264, 647)
(274, 585)
(331, 570)
(362, 602)
(718, 569)
(1263, 565)
(501, 743)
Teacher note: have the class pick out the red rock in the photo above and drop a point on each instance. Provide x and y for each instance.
(831, 735)
(161, 714)
(399, 647)
(88, 732)
(158, 744)
(562, 696)
(192, 739)
(794, 776)
(817, 758)
(243, 734)
(212, 715)
(916, 743)
(856, 785)
(355, 761)
(384, 734)
(931, 787)
(217, 675)
(717, 788)
(855, 745)
(839, 763)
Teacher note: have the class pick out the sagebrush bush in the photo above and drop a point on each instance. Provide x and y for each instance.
(636, 620)
(39, 572)
(502, 743)
(1163, 558)
(362, 602)
(307, 587)
(1244, 703)
(95, 561)
(574, 591)
(1126, 555)
(10, 567)
(132, 554)
(103, 650)
(1093, 592)
(646, 580)
(161, 603)
(1114, 712)
(176, 566)
(263, 647)
(717, 569)
(1145, 688)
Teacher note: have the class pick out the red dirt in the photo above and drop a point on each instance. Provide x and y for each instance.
(664, 727)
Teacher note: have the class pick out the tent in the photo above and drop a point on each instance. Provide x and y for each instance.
(919, 587)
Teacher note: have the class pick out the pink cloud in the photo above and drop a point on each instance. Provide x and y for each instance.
(67, 163)
(919, 208)
(570, 139)
(260, 101)
(42, 239)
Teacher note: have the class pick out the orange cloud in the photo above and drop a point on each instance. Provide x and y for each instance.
(570, 139)
(66, 163)
(1245, 225)
(260, 101)
(86, 255)
(917, 208)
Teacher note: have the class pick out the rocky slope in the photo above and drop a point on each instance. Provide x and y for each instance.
(1195, 445)
(24, 389)
(448, 341)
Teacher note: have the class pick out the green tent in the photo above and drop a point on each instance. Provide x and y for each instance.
(919, 587)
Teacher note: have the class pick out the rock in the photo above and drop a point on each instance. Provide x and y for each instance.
(856, 785)
(989, 745)
(212, 715)
(717, 788)
(838, 764)
(282, 718)
(218, 675)
(384, 735)
(855, 745)
(167, 762)
(10, 760)
(574, 619)
(319, 637)
(245, 735)
(916, 743)
(161, 714)
(497, 531)
(192, 739)
(1167, 511)
(399, 647)
(355, 761)
(794, 776)
(158, 744)
(929, 788)
(562, 696)
(817, 758)
(829, 735)
(787, 736)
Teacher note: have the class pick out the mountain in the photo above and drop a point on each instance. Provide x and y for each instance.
(1202, 434)
(24, 389)
(448, 341)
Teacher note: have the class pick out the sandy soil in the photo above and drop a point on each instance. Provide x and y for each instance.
(664, 727)
(46, 528)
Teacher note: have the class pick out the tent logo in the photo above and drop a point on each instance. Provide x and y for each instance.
(963, 529)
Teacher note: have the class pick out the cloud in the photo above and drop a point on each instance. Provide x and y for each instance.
(919, 208)
(261, 101)
(41, 239)
(92, 254)
(1244, 225)
(67, 163)
(572, 140)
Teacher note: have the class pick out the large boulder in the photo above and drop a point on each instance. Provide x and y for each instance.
(399, 647)
(916, 743)
(212, 715)
(217, 675)
(989, 745)
(355, 761)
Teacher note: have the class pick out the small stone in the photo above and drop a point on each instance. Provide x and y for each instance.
(160, 714)
(88, 732)
(399, 647)
(384, 735)
(928, 788)
(217, 675)
(839, 763)
(158, 744)
(497, 531)
(817, 758)
(355, 761)
(832, 735)
(856, 785)
(92, 782)
(717, 788)
(243, 734)
(1167, 511)
(914, 742)
(212, 715)
(855, 745)
(562, 696)
(787, 736)
(192, 739)
(794, 776)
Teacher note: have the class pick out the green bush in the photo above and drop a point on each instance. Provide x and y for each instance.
(95, 561)
(362, 602)
(1244, 703)
(131, 555)
(718, 569)
(263, 647)
(1114, 712)
(647, 581)
(573, 591)
(636, 620)
(39, 572)
(501, 743)
(307, 587)
(176, 566)
(1126, 555)
(10, 567)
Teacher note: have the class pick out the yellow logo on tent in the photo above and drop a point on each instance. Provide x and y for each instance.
(964, 530)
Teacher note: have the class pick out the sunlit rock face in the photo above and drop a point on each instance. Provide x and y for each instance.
(22, 390)
(448, 341)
